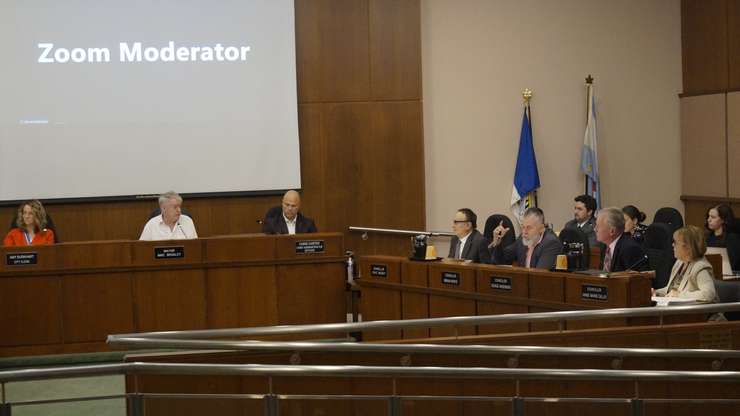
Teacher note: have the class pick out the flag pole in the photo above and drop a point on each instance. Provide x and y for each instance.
(589, 83)
(527, 96)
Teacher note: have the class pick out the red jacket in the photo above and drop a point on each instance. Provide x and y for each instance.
(16, 237)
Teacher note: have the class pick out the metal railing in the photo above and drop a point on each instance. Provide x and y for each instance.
(272, 400)
(454, 321)
(302, 346)
(366, 230)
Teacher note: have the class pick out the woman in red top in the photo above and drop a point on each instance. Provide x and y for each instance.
(30, 226)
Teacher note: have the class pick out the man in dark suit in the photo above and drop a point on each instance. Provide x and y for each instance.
(468, 243)
(537, 247)
(583, 217)
(621, 252)
(288, 220)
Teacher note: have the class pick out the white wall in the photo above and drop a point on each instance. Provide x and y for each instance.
(478, 55)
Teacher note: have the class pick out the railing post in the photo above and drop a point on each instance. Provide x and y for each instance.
(271, 405)
(517, 406)
(394, 406)
(136, 401)
(637, 408)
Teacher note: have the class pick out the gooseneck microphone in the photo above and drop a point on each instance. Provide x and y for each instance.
(644, 259)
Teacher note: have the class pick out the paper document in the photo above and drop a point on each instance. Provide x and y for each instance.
(670, 300)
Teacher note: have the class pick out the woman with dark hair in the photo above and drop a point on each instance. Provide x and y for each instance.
(633, 225)
(30, 226)
(720, 224)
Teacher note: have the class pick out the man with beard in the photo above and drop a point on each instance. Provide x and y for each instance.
(537, 247)
(583, 217)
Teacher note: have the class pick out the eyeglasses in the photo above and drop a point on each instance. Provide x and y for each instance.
(459, 221)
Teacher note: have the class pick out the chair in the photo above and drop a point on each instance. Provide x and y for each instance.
(728, 291)
(573, 240)
(492, 222)
(49, 225)
(658, 246)
(274, 212)
(670, 216)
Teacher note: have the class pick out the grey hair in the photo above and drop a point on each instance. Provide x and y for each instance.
(614, 218)
(535, 212)
(169, 195)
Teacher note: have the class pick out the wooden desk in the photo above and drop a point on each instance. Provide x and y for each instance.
(408, 289)
(69, 297)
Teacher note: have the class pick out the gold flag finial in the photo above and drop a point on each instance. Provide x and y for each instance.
(527, 95)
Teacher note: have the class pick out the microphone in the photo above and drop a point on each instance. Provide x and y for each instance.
(640, 262)
(181, 229)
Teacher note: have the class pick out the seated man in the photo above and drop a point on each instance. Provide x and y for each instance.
(468, 243)
(621, 252)
(537, 247)
(289, 221)
(583, 217)
(171, 224)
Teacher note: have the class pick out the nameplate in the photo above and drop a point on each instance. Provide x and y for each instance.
(593, 292)
(309, 246)
(21, 259)
(451, 278)
(501, 283)
(378, 270)
(176, 252)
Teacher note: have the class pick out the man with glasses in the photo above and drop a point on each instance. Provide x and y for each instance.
(468, 243)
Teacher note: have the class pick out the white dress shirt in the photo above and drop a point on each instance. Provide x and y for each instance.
(290, 224)
(155, 229)
(461, 244)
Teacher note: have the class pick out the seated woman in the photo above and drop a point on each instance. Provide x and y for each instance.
(633, 225)
(30, 226)
(720, 221)
(691, 276)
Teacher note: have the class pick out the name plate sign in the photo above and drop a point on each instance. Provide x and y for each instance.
(378, 270)
(175, 252)
(309, 246)
(501, 283)
(594, 292)
(21, 259)
(451, 278)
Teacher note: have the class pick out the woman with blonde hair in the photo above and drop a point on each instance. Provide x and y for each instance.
(30, 226)
(691, 276)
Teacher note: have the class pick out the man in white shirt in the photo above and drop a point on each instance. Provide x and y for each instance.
(171, 224)
(468, 243)
(288, 219)
(621, 252)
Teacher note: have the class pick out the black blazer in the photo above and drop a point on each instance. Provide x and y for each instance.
(588, 228)
(543, 256)
(276, 225)
(475, 249)
(626, 253)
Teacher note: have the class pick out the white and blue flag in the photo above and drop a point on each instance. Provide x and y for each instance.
(589, 154)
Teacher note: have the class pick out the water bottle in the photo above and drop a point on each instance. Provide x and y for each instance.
(350, 269)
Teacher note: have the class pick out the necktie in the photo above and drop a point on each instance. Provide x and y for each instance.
(608, 259)
(458, 252)
(530, 250)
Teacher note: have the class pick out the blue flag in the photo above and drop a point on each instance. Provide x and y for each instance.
(526, 176)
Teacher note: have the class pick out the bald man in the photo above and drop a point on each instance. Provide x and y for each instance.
(289, 220)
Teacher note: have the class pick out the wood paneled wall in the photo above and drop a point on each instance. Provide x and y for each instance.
(360, 125)
(710, 40)
(710, 105)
